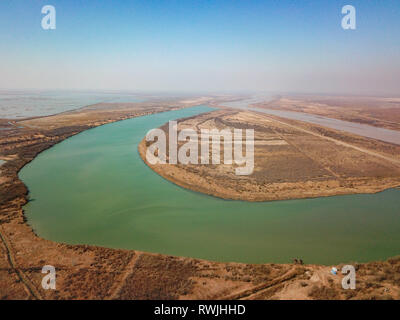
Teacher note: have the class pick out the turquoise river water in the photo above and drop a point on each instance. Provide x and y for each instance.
(93, 188)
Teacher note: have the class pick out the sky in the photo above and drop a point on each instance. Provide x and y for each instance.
(202, 46)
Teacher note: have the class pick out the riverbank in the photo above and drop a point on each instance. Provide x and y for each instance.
(89, 272)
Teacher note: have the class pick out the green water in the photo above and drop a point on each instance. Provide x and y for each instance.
(93, 188)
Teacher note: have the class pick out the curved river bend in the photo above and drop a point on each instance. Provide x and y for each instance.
(93, 188)
(386, 135)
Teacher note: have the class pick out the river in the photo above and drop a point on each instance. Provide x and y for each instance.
(93, 188)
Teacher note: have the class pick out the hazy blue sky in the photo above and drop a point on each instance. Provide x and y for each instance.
(201, 46)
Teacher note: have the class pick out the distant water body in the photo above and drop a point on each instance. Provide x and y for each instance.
(391, 136)
(24, 104)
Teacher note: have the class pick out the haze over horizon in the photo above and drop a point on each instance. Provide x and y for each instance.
(207, 46)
